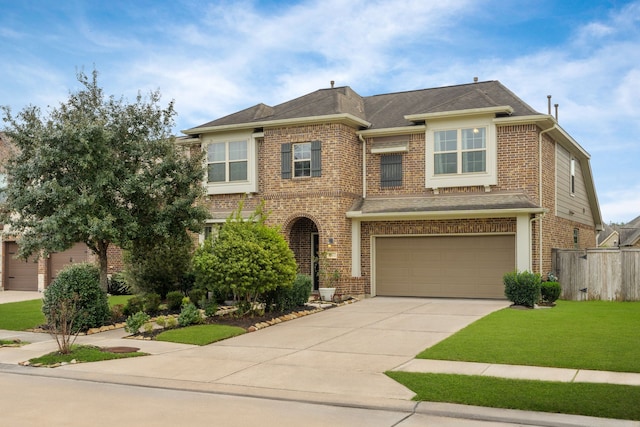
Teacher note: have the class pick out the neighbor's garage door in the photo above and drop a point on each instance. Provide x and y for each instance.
(443, 266)
(20, 275)
(59, 260)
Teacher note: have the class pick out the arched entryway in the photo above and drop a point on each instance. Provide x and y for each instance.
(304, 242)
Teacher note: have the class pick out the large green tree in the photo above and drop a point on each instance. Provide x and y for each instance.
(99, 170)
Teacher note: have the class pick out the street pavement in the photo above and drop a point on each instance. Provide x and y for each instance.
(333, 358)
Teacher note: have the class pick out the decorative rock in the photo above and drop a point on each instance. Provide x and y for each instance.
(252, 329)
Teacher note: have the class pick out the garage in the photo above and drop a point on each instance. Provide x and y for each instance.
(443, 266)
(59, 260)
(21, 275)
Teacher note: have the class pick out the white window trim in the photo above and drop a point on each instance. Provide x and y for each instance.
(234, 187)
(487, 178)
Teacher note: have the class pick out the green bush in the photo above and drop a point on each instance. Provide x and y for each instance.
(159, 267)
(152, 303)
(118, 285)
(210, 308)
(117, 312)
(198, 297)
(285, 298)
(550, 292)
(134, 305)
(136, 321)
(522, 288)
(79, 282)
(190, 315)
(174, 300)
(247, 259)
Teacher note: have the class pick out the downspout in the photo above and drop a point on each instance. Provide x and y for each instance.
(364, 166)
(540, 193)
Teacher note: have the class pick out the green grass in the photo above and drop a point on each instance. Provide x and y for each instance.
(19, 316)
(82, 353)
(12, 343)
(584, 335)
(598, 400)
(200, 334)
(118, 299)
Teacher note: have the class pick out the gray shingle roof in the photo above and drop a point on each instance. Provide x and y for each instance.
(382, 111)
(630, 233)
(445, 203)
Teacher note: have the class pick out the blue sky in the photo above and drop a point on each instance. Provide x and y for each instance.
(217, 57)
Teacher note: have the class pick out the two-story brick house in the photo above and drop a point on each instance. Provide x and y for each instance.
(434, 192)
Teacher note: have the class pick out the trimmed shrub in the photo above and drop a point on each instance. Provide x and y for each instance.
(134, 305)
(198, 297)
(550, 292)
(79, 282)
(174, 300)
(210, 308)
(285, 298)
(152, 303)
(117, 312)
(190, 315)
(136, 321)
(522, 288)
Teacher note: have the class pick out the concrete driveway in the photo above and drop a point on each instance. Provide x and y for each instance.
(336, 356)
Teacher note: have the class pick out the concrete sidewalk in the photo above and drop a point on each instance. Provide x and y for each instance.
(17, 296)
(335, 357)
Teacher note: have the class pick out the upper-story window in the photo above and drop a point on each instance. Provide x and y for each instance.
(301, 159)
(461, 153)
(231, 163)
(391, 170)
(227, 161)
(572, 184)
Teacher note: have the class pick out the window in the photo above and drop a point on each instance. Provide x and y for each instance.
(227, 161)
(576, 232)
(231, 162)
(391, 170)
(460, 151)
(572, 184)
(301, 159)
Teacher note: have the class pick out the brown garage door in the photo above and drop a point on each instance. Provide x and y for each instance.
(20, 275)
(59, 260)
(443, 266)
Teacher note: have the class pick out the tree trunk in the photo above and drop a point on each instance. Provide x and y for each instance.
(102, 257)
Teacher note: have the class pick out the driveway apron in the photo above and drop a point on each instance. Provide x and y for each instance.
(340, 353)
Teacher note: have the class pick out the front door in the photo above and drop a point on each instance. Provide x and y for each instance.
(315, 266)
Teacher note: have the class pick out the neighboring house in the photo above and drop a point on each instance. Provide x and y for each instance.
(34, 275)
(609, 237)
(630, 234)
(436, 192)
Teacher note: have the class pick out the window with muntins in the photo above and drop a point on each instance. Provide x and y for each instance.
(301, 159)
(460, 151)
(391, 170)
(227, 161)
(572, 184)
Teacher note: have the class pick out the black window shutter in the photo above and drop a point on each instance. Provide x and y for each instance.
(391, 170)
(316, 158)
(285, 160)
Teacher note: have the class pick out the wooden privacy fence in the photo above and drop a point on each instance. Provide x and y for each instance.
(605, 274)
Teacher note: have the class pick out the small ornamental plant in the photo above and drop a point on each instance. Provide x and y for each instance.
(522, 288)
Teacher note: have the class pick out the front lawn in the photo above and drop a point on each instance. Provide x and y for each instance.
(200, 334)
(82, 353)
(596, 400)
(23, 315)
(596, 335)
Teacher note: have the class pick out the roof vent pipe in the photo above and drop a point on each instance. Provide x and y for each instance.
(549, 103)
(556, 105)
(332, 83)
(475, 80)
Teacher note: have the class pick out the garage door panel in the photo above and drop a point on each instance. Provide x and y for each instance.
(443, 266)
(21, 275)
